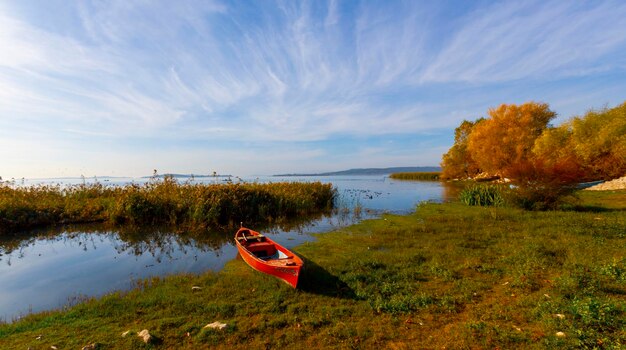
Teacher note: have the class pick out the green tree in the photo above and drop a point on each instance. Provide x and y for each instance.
(599, 141)
(596, 142)
(554, 144)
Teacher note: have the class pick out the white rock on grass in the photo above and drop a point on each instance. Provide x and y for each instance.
(560, 334)
(216, 325)
(125, 333)
(145, 336)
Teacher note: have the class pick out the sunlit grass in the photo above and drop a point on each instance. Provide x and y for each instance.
(602, 200)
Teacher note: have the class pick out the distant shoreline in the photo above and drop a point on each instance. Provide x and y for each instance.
(370, 171)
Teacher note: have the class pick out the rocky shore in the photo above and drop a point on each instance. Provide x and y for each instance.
(617, 184)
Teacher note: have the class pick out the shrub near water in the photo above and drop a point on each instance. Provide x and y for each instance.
(161, 202)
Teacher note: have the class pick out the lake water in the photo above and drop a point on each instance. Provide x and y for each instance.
(51, 268)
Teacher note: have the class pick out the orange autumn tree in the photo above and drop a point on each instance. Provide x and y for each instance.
(457, 163)
(545, 163)
(503, 144)
(505, 140)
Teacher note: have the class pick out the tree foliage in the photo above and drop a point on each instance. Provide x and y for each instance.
(544, 162)
(515, 137)
(596, 142)
(542, 185)
(599, 140)
(457, 163)
(508, 136)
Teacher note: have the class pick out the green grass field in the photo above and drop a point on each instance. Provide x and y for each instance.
(448, 275)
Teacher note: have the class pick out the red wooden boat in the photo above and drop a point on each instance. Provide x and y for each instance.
(267, 256)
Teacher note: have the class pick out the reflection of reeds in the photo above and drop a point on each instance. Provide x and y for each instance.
(162, 241)
(161, 202)
(350, 202)
(358, 208)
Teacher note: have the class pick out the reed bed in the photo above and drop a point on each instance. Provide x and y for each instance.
(417, 176)
(161, 202)
(482, 195)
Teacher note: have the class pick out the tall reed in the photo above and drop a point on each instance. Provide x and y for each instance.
(482, 195)
(161, 202)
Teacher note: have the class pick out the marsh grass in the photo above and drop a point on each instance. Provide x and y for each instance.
(417, 176)
(483, 195)
(161, 202)
(449, 275)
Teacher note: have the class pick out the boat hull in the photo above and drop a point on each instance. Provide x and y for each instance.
(267, 256)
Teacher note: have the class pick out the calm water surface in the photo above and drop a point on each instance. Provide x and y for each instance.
(52, 268)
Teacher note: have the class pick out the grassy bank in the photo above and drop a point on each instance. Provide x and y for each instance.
(416, 176)
(449, 275)
(160, 202)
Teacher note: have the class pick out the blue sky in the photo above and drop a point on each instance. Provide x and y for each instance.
(261, 87)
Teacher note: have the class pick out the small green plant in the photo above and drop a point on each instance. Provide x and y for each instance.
(482, 195)
(615, 270)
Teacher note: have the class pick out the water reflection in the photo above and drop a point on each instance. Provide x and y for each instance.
(43, 272)
(155, 241)
(49, 268)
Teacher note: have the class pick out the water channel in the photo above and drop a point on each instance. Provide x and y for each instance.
(55, 267)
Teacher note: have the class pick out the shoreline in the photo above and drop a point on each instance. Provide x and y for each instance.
(612, 185)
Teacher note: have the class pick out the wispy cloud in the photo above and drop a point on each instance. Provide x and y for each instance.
(289, 72)
(515, 40)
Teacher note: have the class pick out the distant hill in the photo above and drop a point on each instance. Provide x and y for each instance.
(372, 171)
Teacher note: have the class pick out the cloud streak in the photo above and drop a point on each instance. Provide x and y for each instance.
(290, 72)
(516, 40)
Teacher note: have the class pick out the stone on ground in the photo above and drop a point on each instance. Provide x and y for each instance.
(217, 325)
(145, 336)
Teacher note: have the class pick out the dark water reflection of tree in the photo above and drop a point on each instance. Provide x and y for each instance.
(451, 190)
